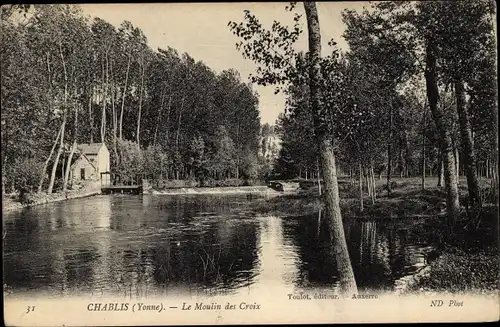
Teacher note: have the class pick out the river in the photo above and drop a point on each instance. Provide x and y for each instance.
(159, 245)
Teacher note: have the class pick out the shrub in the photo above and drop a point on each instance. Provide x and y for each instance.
(460, 271)
(131, 161)
(254, 182)
(25, 174)
(25, 197)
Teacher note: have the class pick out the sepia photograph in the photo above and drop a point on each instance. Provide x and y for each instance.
(249, 162)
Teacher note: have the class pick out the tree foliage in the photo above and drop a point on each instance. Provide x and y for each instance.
(106, 84)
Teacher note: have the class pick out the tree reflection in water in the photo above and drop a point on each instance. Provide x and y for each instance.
(380, 253)
(146, 245)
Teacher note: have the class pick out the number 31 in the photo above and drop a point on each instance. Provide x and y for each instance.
(30, 309)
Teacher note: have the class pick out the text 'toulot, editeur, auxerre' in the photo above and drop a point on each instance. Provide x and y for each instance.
(322, 296)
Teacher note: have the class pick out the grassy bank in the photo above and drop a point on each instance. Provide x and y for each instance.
(468, 255)
(406, 199)
(309, 202)
(13, 202)
(459, 271)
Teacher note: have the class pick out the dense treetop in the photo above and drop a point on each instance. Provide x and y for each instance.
(106, 84)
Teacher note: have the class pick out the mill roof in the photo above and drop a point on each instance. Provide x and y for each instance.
(90, 148)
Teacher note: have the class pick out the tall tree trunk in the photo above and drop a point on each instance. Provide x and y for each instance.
(138, 137)
(168, 118)
(450, 177)
(423, 145)
(46, 164)
(319, 223)
(158, 119)
(238, 150)
(360, 188)
(115, 122)
(51, 97)
(423, 164)
(440, 167)
(401, 163)
(124, 96)
(61, 143)
(63, 166)
(319, 176)
(374, 188)
(407, 154)
(68, 165)
(345, 271)
(179, 126)
(91, 118)
(389, 152)
(73, 149)
(58, 155)
(4, 161)
(467, 145)
(114, 116)
(367, 181)
(494, 157)
(104, 100)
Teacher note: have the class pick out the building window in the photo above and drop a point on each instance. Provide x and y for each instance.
(82, 173)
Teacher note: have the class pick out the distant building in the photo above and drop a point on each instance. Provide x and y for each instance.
(270, 146)
(92, 159)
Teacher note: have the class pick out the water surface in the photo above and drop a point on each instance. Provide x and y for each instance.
(154, 245)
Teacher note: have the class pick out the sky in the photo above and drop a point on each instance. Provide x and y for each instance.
(201, 30)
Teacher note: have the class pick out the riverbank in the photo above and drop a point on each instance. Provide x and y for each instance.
(11, 204)
(429, 203)
(463, 259)
(458, 271)
(216, 190)
(406, 199)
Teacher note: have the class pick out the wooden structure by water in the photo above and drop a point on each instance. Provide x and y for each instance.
(283, 186)
(114, 185)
